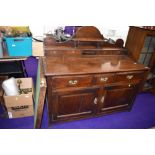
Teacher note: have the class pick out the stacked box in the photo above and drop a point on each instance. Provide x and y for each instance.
(19, 46)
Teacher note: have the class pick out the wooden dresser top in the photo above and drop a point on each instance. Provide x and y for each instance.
(71, 65)
(106, 59)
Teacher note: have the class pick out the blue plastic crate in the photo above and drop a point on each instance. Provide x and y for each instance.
(19, 46)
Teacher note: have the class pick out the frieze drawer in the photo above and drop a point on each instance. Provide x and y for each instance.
(129, 77)
(103, 79)
(71, 81)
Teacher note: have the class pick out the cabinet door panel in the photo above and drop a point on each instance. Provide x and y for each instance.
(74, 104)
(118, 96)
(87, 102)
(69, 104)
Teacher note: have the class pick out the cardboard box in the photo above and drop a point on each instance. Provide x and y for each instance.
(20, 105)
(2, 78)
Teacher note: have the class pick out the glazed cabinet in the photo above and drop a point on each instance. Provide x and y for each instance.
(141, 46)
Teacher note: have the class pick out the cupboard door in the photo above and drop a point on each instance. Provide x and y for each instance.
(73, 104)
(118, 97)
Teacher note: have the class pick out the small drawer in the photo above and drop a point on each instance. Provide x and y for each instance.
(104, 78)
(129, 76)
(71, 81)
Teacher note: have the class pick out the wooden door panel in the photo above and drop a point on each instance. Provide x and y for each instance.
(69, 104)
(87, 102)
(74, 103)
(118, 97)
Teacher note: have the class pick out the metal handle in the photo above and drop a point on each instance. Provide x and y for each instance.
(104, 79)
(102, 99)
(73, 82)
(129, 77)
(95, 100)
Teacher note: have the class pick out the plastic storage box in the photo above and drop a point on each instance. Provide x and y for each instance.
(19, 46)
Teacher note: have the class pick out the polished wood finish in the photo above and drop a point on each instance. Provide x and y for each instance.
(88, 33)
(129, 77)
(86, 38)
(69, 81)
(104, 51)
(71, 104)
(102, 79)
(71, 65)
(97, 84)
(118, 96)
(90, 82)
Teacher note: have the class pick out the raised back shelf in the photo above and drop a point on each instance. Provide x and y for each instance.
(86, 38)
(88, 33)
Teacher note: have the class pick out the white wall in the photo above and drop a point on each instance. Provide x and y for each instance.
(114, 32)
(107, 15)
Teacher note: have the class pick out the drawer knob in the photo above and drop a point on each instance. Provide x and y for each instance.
(73, 82)
(104, 79)
(129, 77)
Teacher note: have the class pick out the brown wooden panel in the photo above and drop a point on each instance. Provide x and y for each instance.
(129, 76)
(89, 77)
(72, 104)
(87, 102)
(118, 96)
(102, 79)
(88, 33)
(70, 65)
(71, 81)
(69, 104)
(136, 39)
(62, 52)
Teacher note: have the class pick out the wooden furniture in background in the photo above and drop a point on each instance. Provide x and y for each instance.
(141, 47)
(90, 79)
